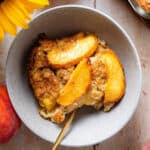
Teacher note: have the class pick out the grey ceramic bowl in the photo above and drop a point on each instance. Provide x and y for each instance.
(89, 127)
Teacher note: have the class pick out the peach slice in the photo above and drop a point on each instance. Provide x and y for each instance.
(77, 85)
(115, 85)
(69, 51)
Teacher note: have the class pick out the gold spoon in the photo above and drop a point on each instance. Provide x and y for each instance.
(64, 130)
(139, 10)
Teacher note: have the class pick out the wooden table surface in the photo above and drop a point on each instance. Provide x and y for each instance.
(137, 131)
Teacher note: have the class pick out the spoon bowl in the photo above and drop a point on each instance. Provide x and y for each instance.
(141, 12)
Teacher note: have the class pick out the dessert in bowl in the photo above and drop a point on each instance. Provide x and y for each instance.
(89, 127)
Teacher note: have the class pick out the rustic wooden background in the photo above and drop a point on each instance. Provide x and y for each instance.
(137, 131)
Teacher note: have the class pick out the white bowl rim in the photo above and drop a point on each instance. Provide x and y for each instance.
(135, 54)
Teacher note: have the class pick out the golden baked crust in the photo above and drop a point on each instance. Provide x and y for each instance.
(46, 87)
(145, 4)
(42, 79)
(63, 75)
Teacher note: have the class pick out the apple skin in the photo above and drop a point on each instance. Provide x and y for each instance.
(9, 121)
(147, 146)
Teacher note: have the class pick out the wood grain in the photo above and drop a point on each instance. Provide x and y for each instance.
(137, 131)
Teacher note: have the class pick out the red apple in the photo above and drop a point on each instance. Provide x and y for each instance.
(147, 146)
(9, 121)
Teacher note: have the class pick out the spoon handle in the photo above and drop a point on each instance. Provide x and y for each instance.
(64, 130)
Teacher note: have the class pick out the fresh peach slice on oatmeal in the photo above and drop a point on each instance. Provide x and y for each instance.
(71, 50)
(77, 85)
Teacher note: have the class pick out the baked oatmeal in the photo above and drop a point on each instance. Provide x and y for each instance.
(49, 77)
